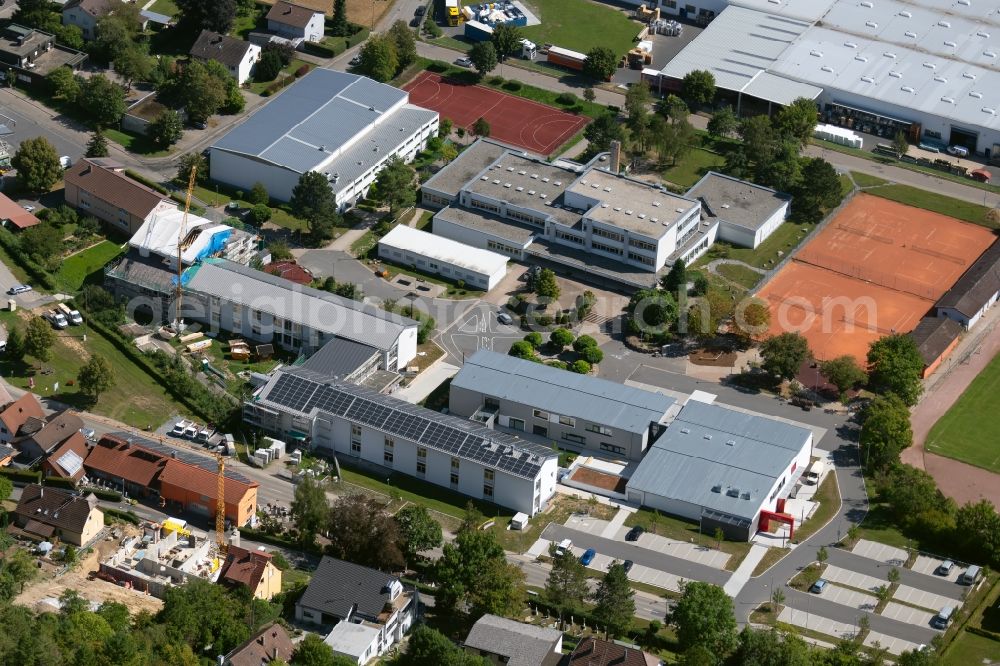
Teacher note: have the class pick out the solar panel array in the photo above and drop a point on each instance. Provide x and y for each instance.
(180, 454)
(449, 434)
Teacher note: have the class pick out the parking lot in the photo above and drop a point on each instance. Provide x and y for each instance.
(852, 598)
(815, 622)
(851, 578)
(894, 645)
(879, 551)
(700, 554)
(907, 614)
(928, 565)
(928, 600)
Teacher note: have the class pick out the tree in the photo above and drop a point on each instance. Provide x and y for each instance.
(676, 279)
(96, 377)
(674, 108)
(589, 94)
(601, 63)
(448, 152)
(822, 555)
(200, 87)
(637, 101)
(312, 651)
(783, 171)
(312, 197)
(843, 372)
(885, 431)
(769, 647)
(916, 502)
(751, 319)
(429, 646)
(378, 58)
(42, 243)
(818, 190)
(15, 350)
(547, 286)
(900, 144)
(592, 355)
(704, 616)
(652, 311)
(484, 57)
(167, 128)
(189, 162)
(269, 65)
(723, 122)
(260, 214)
(37, 165)
(893, 575)
(134, 63)
(200, 614)
(310, 510)
(217, 16)
(418, 530)
(672, 140)
(784, 354)
(362, 532)
(698, 87)
(566, 587)
(339, 27)
(63, 84)
(602, 131)
(534, 339)
(404, 42)
(506, 40)
(561, 338)
(614, 601)
(583, 343)
(6, 488)
(522, 349)
(918, 657)
(98, 144)
(258, 194)
(481, 127)
(20, 566)
(797, 121)
(395, 185)
(895, 366)
(102, 100)
(978, 529)
(580, 367)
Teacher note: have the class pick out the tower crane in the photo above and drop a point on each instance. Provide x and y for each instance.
(220, 505)
(178, 294)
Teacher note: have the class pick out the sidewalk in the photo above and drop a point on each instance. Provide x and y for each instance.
(743, 572)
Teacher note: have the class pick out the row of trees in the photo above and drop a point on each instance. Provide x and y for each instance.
(385, 55)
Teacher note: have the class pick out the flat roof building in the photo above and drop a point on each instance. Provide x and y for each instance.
(578, 412)
(341, 125)
(748, 214)
(721, 467)
(452, 260)
(975, 292)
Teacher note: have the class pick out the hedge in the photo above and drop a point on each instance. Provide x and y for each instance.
(127, 516)
(59, 482)
(106, 495)
(34, 271)
(21, 476)
(135, 175)
(277, 540)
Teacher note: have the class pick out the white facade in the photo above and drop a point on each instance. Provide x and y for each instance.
(357, 642)
(82, 19)
(244, 69)
(965, 320)
(479, 238)
(451, 260)
(312, 32)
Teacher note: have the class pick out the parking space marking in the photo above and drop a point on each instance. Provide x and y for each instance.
(881, 552)
(928, 600)
(928, 565)
(842, 595)
(586, 524)
(908, 614)
(601, 562)
(896, 646)
(644, 574)
(816, 623)
(686, 551)
(851, 578)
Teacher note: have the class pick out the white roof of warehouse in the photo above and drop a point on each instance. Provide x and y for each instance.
(803, 10)
(738, 47)
(444, 250)
(708, 451)
(159, 234)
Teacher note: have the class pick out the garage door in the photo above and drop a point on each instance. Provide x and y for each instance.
(961, 137)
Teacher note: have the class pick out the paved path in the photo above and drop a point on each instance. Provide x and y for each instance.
(741, 576)
(615, 523)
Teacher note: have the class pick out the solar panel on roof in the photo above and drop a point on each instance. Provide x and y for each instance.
(71, 462)
(330, 399)
(292, 391)
(368, 412)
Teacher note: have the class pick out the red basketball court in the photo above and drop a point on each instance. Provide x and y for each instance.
(514, 120)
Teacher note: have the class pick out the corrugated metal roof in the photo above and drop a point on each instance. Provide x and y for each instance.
(303, 127)
(778, 89)
(803, 10)
(287, 300)
(560, 392)
(445, 250)
(710, 452)
(338, 358)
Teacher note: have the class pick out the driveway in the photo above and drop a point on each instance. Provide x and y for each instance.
(477, 328)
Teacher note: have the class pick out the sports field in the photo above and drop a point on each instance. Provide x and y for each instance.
(875, 269)
(515, 120)
(969, 431)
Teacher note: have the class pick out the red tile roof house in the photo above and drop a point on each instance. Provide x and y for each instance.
(124, 463)
(16, 413)
(290, 271)
(14, 216)
(252, 569)
(66, 462)
(270, 644)
(99, 187)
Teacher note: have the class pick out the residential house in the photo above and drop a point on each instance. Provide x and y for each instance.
(7, 454)
(578, 412)
(194, 488)
(598, 652)
(509, 642)
(130, 466)
(16, 413)
(38, 438)
(50, 512)
(291, 271)
(271, 643)
(100, 187)
(345, 593)
(66, 460)
(14, 216)
(252, 569)
(30, 54)
(293, 22)
(85, 14)
(238, 56)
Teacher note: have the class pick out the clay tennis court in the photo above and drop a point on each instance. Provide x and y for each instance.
(514, 120)
(875, 269)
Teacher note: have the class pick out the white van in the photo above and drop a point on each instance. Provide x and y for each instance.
(970, 575)
(564, 547)
(941, 620)
(814, 473)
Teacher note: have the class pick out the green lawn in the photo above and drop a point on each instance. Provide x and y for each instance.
(828, 496)
(784, 239)
(217, 195)
(867, 180)
(693, 166)
(74, 270)
(135, 143)
(938, 203)
(581, 26)
(964, 433)
(969, 648)
(257, 87)
(164, 7)
(741, 275)
(135, 398)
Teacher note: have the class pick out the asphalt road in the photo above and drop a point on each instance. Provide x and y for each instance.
(477, 328)
(622, 550)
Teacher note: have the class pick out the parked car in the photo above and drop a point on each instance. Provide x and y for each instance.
(199, 125)
(941, 620)
(818, 586)
(421, 10)
(19, 289)
(57, 319)
(958, 151)
(588, 556)
(505, 318)
(945, 568)
(204, 434)
(29, 208)
(65, 161)
(464, 62)
(564, 547)
(356, 60)
(970, 576)
(179, 428)
(88, 434)
(415, 22)
(627, 565)
(191, 431)
(634, 533)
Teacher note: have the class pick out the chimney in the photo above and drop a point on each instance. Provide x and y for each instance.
(616, 157)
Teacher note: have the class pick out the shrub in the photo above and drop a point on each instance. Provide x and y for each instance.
(302, 71)
(512, 86)
(59, 482)
(260, 213)
(583, 342)
(592, 355)
(580, 367)
(497, 81)
(107, 495)
(567, 99)
(21, 476)
(115, 514)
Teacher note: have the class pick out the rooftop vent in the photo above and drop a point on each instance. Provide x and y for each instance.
(628, 212)
(607, 189)
(618, 209)
(889, 54)
(531, 192)
(535, 176)
(685, 431)
(730, 442)
(642, 216)
(861, 58)
(867, 4)
(733, 492)
(983, 34)
(745, 495)
(706, 436)
(930, 65)
(950, 43)
(867, 79)
(977, 95)
(816, 54)
(507, 185)
(717, 488)
(910, 34)
(990, 111)
(969, 75)
(679, 210)
(940, 79)
(604, 205)
(990, 54)
(906, 89)
(595, 186)
(895, 75)
(905, 14)
(850, 45)
(871, 24)
(944, 24)
(496, 182)
(519, 189)
(948, 99)
(656, 204)
(545, 180)
(966, 3)
(725, 205)
(558, 183)
(827, 68)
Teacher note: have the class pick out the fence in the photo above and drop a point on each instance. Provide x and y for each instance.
(865, 272)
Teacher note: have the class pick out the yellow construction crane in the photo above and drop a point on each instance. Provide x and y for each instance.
(220, 506)
(178, 322)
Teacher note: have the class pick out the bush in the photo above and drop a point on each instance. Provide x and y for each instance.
(59, 482)
(107, 495)
(497, 81)
(319, 50)
(567, 99)
(302, 71)
(592, 355)
(116, 514)
(21, 476)
(580, 367)
(513, 86)
(260, 214)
